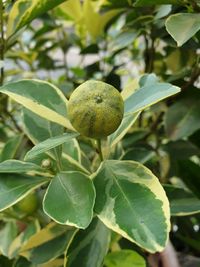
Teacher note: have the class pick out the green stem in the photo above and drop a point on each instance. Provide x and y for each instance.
(99, 149)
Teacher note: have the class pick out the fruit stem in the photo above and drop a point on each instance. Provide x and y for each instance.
(99, 149)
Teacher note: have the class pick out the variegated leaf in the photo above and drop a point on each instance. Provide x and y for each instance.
(75, 195)
(7, 234)
(182, 202)
(183, 26)
(24, 11)
(23, 238)
(49, 232)
(99, 21)
(39, 129)
(149, 95)
(144, 93)
(72, 149)
(51, 249)
(125, 258)
(70, 164)
(93, 243)
(49, 144)
(14, 187)
(131, 201)
(40, 97)
(126, 124)
(17, 166)
(10, 148)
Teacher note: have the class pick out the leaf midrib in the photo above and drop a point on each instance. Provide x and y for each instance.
(129, 204)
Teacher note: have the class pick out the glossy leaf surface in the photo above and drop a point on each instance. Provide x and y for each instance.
(182, 118)
(90, 246)
(49, 144)
(10, 148)
(17, 166)
(125, 258)
(149, 95)
(131, 202)
(182, 202)
(127, 122)
(39, 129)
(74, 194)
(24, 12)
(40, 97)
(183, 26)
(14, 187)
(7, 234)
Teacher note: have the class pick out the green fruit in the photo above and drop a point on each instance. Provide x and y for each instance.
(95, 109)
(29, 204)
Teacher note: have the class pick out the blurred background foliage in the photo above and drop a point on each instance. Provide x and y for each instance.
(116, 42)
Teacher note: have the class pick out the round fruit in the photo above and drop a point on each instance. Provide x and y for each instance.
(29, 204)
(95, 109)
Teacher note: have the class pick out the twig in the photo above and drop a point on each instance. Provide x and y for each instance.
(195, 6)
(166, 258)
(149, 53)
(99, 150)
(195, 75)
(146, 53)
(169, 257)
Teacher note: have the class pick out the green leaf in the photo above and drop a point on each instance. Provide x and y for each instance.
(32, 228)
(130, 87)
(125, 258)
(23, 12)
(183, 26)
(157, 2)
(39, 129)
(21, 261)
(149, 95)
(182, 202)
(71, 157)
(14, 187)
(72, 149)
(148, 79)
(126, 124)
(192, 243)
(129, 200)
(49, 232)
(182, 118)
(7, 234)
(189, 172)
(52, 249)
(49, 144)
(99, 21)
(140, 154)
(69, 164)
(162, 11)
(72, 9)
(74, 194)
(90, 246)
(17, 166)
(181, 150)
(10, 148)
(132, 138)
(123, 40)
(40, 97)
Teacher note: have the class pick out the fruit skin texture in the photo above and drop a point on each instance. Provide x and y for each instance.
(95, 109)
(29, 204)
